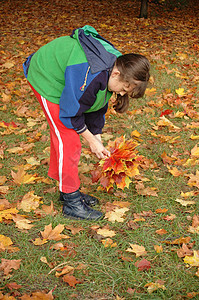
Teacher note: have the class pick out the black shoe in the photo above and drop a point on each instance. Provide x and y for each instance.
(89, 200)
(75, 208)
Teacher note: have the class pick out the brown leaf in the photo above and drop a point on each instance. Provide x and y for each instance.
(21, 222)
(74, 230)
(38, 296)
(22, 177)
(182, 252)
(179, 241)
(161, 231)
(71, 280)
(49, 209)
(13, 286)
(143, 265)
(170, 218)
(54, 234)
(7, 265)
(64, 270)
(161, 210)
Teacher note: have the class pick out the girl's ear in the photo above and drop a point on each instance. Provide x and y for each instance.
(115, 72)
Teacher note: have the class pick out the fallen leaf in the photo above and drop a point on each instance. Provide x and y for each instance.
(192, 260)
(106, 232)
(170, 218)
(109, 243)
(21, 177)
(184, 251)
(5, 240)
(116, 215)
(8, 213)
(21, 222)
(143, 265)
(65, 270)
(185, 202)
(74, 230)
(195, 151)
(7, 265)
(180, 92)
(39, 241)
(161, 210)
(54, 234)
(29, 202)
(138, 250)
(71, 280)
(161, 231)
(154, 286)
(158, 249)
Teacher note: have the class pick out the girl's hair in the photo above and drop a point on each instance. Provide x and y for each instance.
(134, 69)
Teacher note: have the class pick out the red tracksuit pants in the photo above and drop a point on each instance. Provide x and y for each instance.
(65, 148)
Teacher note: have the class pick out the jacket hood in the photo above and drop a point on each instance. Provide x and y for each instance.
(100, 53)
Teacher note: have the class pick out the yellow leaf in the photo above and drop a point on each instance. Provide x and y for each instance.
(193, 229)
(180, 92)
(150, 92)
(154, 286)
(138, 250)
(187, 194)
(3, 179)
(66, 269)
(39, 241)
(158, 249)
(4, 189)
(21, 222)
(21, 177)
(182, 56)
(106, 232)
(15, 150)
(174, 171)
(109, 243)
(195, 151)
(185, 203)
(6, 241)
(116, 215)
(8, 213)
(165, 122)
(135, 133)
(32, 161)
(194, 137)
(29, 202)
(179, 114)
(192, 260)
(8, 65)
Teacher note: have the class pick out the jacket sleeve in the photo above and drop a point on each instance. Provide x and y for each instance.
(95, 120)
(74, 102)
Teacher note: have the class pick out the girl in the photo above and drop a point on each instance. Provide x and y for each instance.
(73, 77)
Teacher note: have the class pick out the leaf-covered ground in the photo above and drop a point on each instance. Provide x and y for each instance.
(147, 246)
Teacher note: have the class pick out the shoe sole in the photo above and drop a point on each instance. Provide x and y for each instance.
(81, 219)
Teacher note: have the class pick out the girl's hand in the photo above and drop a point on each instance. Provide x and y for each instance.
(95, 144)
(98, 148)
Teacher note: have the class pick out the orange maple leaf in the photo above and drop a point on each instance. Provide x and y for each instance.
(122, 164)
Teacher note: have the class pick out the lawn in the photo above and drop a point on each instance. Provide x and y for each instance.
(147, 245)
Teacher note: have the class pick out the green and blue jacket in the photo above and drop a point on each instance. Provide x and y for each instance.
(73, 71)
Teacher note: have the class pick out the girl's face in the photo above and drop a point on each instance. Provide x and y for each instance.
(116, 85)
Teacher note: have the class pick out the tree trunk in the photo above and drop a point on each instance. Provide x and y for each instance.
(144, 9)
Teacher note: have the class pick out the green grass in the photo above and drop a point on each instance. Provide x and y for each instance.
(107, 273)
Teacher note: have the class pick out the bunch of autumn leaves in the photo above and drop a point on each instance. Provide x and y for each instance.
(120, 167)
